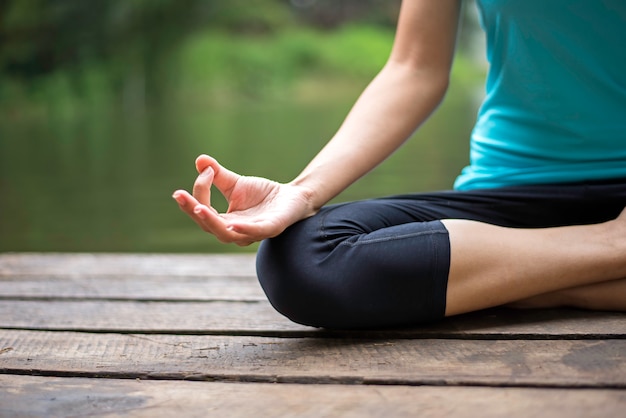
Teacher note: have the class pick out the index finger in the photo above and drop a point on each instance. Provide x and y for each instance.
(205, 217)
(202, 186)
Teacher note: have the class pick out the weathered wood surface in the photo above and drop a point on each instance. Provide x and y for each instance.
(77, 329)
(259, 318)
(126, 265)
(25, 396)
(143, 293)
(556, 363)
(127, 287)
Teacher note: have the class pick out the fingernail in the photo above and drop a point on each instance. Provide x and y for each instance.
(178, 198)
(206, 171)
(198, 211)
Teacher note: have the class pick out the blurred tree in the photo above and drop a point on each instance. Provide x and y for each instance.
(135, 39)
(332, 13)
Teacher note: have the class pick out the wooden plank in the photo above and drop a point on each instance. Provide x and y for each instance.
(247, 289)
(259, 318)
(138, 317)
(77, 265)
(192, 288)
(555, 363)
(494, 322)
(31, 396)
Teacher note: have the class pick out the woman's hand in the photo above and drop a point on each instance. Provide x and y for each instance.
(258, 208)
(396, 102)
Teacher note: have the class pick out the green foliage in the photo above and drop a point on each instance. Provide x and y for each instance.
(260, 66)
(41, 35)
(65, 54)
(358, 51)
(132, 40)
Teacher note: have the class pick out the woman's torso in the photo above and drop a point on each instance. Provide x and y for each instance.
(555, 106)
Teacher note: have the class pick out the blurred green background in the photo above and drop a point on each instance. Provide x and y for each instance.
(104, 105)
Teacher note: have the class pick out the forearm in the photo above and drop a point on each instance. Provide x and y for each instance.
(395, 103)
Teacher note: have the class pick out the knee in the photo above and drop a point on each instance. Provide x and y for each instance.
(289, 283)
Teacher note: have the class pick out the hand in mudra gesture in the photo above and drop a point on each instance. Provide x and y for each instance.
(258, 208)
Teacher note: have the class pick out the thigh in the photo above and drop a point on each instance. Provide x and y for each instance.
(332, 273)
(532, 206)
(387, 219)
(370, 263)
(385, 262)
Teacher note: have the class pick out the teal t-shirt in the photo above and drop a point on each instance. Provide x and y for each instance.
(555, 104)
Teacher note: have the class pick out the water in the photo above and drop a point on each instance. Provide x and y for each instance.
(103, 181)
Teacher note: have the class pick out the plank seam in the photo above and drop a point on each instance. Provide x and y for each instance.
(120, 276)
(315, 333)
(308, 380)
(122, 299)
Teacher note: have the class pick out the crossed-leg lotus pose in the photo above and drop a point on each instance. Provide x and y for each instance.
(536, 220)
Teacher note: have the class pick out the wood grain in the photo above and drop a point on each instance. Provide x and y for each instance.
(562, 363)
(123, 287)
(259, 318)
(130, 265)
(33, 396)
(197, 333)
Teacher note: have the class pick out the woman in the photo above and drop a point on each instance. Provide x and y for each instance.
(534, 221)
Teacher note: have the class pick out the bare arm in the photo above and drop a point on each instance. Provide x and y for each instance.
(401, 97)
(397, 101)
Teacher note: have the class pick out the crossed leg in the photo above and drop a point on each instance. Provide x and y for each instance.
(604, 296)
(582, 266)
(385, 262)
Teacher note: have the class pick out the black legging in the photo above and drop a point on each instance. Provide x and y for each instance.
(385, 262)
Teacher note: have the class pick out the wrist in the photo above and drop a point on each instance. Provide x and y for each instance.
(307, 196)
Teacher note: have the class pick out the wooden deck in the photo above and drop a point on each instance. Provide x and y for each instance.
(159, 335)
